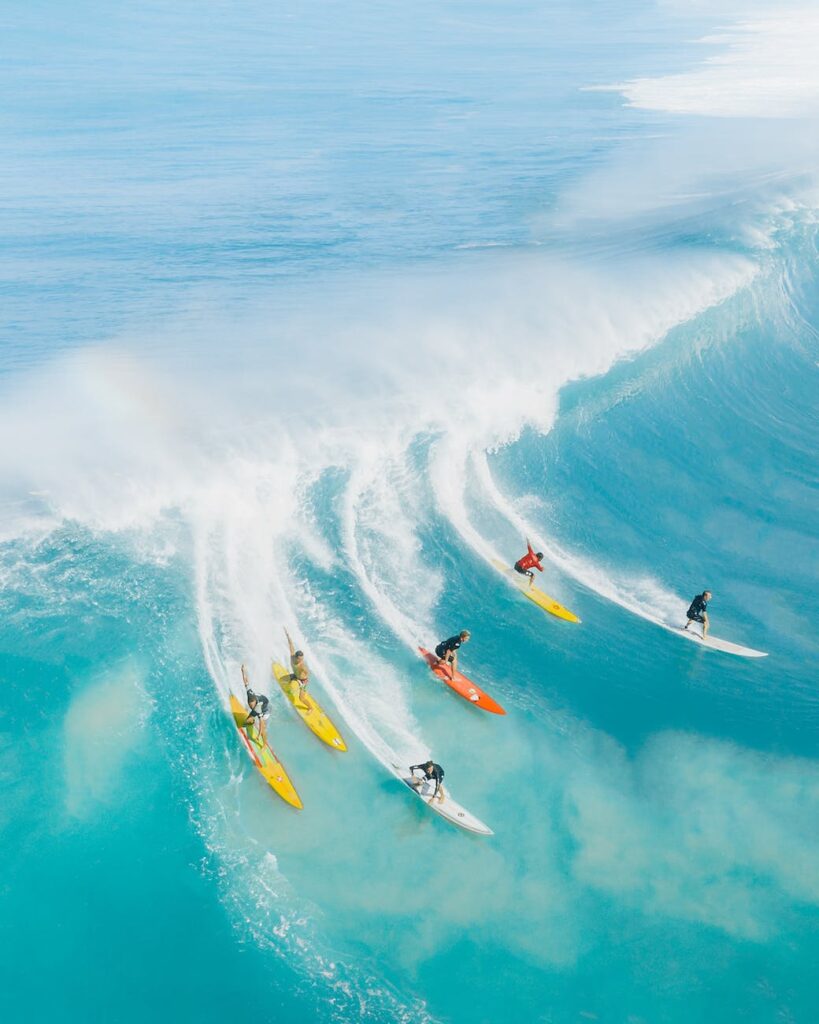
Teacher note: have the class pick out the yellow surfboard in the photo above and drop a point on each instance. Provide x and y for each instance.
(308, 709)
(261, 754)
(534, 593)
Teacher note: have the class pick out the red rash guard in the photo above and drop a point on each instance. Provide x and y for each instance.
(529, 561)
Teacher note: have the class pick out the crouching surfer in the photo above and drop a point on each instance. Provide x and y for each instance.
(531, 560)
(259, 710)
(697, 611)
(430, 771)
(447, 650)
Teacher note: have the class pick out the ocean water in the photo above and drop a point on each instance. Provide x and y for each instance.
(307, 313)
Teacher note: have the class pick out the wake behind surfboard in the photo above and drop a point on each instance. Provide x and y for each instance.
(534, 593)
(714, 643)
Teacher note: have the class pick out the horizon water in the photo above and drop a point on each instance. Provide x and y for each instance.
(308, 314)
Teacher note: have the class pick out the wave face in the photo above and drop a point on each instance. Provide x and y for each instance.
(312, 314)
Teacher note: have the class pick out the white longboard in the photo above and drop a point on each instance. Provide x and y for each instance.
(713, 642)
(447, 807)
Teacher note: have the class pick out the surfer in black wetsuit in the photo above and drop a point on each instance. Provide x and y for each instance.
(259, 709)
(698, 611)
(447, 650)
(431, 771)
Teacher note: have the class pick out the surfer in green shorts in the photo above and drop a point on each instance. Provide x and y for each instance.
(300, 673)
(259, 709)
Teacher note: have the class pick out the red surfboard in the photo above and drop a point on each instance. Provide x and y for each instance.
(461, 685)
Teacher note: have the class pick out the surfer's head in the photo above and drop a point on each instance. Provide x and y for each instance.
(539, 556)
(464, 635)
(707, 595)
(299, 655)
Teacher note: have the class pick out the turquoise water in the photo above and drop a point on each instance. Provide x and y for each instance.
(306, 314)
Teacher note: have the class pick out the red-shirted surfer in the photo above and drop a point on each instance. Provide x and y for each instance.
(531, 560)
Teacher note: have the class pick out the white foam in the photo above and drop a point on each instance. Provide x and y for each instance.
(471, 356)
(766, 66)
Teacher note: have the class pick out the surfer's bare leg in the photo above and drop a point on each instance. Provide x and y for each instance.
(448, 663)
(705, 625)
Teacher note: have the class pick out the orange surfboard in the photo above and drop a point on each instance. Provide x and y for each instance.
(461, 685)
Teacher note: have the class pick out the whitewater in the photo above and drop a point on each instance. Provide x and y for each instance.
(309, 315)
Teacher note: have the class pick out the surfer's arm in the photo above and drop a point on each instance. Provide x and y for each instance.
(244, 678)
(290, 644)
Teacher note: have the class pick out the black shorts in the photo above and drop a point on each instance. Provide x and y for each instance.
(524, 572)
(440, 651)
(696, 617)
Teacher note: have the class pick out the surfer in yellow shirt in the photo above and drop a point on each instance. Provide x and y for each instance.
(300, 673)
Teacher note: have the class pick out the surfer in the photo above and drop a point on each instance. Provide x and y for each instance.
(259, 709)
(300, 673)
(431, 771)
(531, 560)
(698, 612)
(447, 650)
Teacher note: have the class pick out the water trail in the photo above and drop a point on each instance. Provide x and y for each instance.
(644, 597)
(363, 479)
(451, 462)
(246, 594)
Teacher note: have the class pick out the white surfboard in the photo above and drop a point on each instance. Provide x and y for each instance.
(694, 633)
(447, 807)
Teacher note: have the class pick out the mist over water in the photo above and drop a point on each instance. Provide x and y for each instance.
(309, 315)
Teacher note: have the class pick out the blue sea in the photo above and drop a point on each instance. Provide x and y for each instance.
(309, 312)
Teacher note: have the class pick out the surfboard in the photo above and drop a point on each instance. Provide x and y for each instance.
(261, 754)
(309, 710)
(714, 643)
(534, 593)
(447, 808)
(464, 687)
